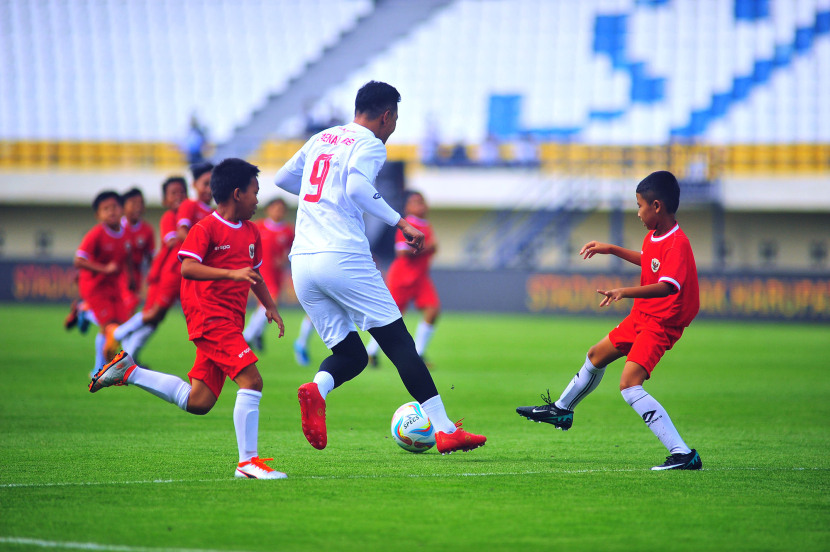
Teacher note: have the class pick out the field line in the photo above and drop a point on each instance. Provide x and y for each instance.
(95, 546)
(414, 476)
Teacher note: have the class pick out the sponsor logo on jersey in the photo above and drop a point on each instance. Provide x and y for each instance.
(251, 250)
(376, 196)
(243, 353)
(221, 247)
(655, 265)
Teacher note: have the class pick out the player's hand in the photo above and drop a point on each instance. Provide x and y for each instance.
(246, 274)
(414, 237)
(273, 316)
(111, 268)
(593, 247)
(611, 296)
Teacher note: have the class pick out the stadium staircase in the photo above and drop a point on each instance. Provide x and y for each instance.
(388, 22)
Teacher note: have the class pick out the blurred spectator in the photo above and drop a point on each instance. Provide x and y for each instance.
(526, 151)
(458, 156)
(429, 145)
(195, 142)
(488, 151)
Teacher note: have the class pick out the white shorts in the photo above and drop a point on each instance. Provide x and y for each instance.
(341, 290)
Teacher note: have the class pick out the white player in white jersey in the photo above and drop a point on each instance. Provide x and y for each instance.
(334, 275)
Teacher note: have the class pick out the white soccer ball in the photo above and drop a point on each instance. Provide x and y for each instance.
(412, 429)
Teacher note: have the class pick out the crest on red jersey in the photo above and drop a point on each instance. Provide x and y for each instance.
(655, 265)
(251, 250)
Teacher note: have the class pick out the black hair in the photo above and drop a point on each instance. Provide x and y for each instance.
(276, 200)
(662, 186)
(230, 174)
(129, 194)
(198, 169)
(105, 195)
(410, 193)
(173, 180)
(374, 98)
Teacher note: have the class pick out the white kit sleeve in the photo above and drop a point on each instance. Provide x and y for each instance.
(289, 181)
(365, 196)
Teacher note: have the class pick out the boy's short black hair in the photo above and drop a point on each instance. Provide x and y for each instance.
(198, 169)
(374, 98)
(129, 194)
(662, 186)
(230, 174)
(275, 201)
(173, 180)
(105, 195)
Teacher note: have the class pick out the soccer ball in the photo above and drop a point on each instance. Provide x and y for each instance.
(412, 429)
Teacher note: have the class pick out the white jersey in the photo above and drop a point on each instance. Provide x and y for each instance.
(327, 218)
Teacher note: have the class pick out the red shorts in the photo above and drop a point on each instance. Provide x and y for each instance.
(422, 291)
(107, 305)
(165, 292)
(220, 352)
(643, 339)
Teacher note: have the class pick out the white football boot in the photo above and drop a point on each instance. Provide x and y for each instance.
(256, 468)
(115, 372)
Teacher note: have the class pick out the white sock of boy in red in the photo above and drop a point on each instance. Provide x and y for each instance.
(656, 418)
(164, 386)
(585, 381)
(246, 422)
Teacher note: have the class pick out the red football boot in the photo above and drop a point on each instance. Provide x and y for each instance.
(313, 409)
(71, 319)
(459, 439)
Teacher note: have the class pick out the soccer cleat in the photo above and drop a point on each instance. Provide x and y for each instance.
(549, 414)
(111, 346)
(690, 461)
(256, 343)
(256, 468)
(83, 320)
(373, 361)
(447, 443)
(301, 354)
(313, 410)
(71, 319)
(115, 372)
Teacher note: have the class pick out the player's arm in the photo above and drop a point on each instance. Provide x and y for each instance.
(264, 296)
(192, 269)
(594, 247)
(92, 266)
(289, 181)
(652, 291)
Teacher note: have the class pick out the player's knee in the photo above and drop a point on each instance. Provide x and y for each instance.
(199, 409)
(361, 358)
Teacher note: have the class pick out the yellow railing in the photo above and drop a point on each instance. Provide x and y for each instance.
(590, 160)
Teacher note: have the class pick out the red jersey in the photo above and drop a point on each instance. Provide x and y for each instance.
(277, 238)
(218, 243)
(102, 245)
(143, 241)
(192, 211)
(406, 269)
(165, 260)
(669, 258)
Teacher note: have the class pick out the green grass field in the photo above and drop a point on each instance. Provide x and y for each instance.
(125, 470)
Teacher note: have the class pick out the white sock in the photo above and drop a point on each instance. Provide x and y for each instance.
(305, 330)
(99, 352)
(256, 325)
(246, 422)
(129, 326)
(422, 337)
(434, 408)
(170, 388)
(656, 418)
(325, 383)
(372, 347)
(585, 381)
(90, 315)
(136, 340)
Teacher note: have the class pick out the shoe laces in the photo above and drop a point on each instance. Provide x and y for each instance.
(458, 423)
(548, 400)
(260, 463)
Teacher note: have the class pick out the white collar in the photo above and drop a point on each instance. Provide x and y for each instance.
(134, 227)
(271, 225)
(667, 234)
(419, 220)
(232, 225)
(112, 234)
(359, 128)
(204, 205)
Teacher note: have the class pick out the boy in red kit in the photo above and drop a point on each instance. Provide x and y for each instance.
(143, 242)
(164, 280)
(220, 258)
(102, 258)
(192, 211)
(665, 303)
(277, 237)
(408, 277)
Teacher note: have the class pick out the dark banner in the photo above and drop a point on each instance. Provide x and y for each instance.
(741, 296)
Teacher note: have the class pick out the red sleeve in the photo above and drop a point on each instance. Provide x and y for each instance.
(186, 215)
(167, 226)
(257, 249)
(673, 268)
(400, 241)
(151, 242)
(89, 245)
(196, 245)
